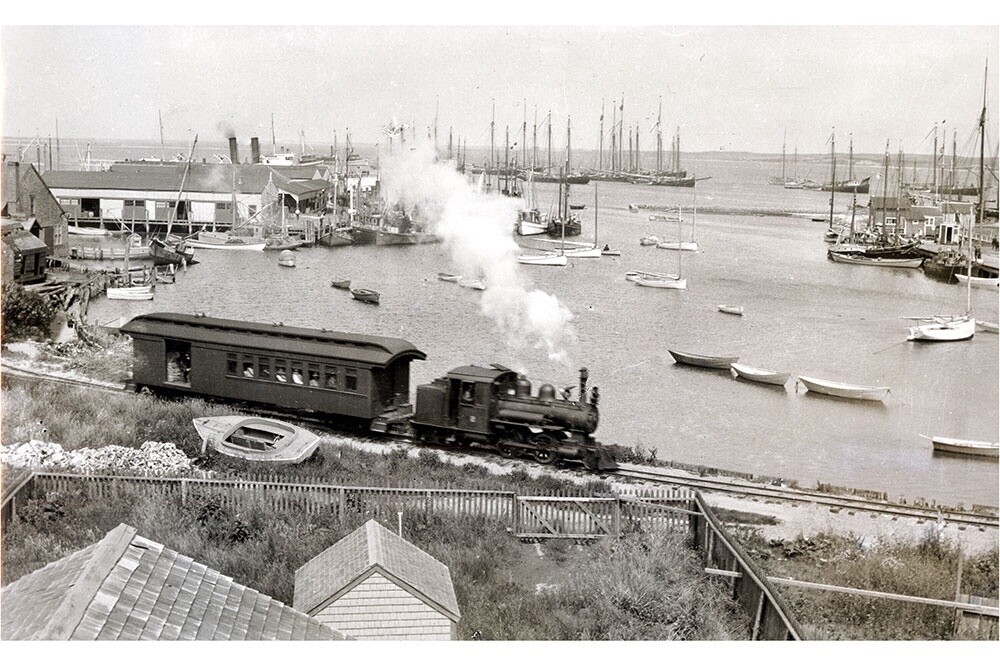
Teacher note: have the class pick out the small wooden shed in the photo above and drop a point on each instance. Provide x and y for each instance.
(373, 584)
(126, 587)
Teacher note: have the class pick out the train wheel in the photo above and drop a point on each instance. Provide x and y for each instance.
(544, 456)
(506, 451)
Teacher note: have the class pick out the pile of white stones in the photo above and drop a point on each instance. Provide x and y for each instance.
(151, 458)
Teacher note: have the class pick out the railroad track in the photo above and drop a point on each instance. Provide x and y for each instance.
(728, 487)
(631, 472)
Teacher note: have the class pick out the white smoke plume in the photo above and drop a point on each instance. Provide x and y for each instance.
(477, 228)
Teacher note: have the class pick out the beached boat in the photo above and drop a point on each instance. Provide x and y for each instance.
(449, 277)
(966, 447)
(365, 295)
(341, 283)
(975, 281)
(860, 259)
(548, 259)
(844, 390)
(704, 361)
(760, 374)
(731, 310)
(139, 293)
(256, 438)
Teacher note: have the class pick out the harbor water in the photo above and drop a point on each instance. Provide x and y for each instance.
(802, 313)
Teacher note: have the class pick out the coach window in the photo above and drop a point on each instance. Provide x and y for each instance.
(264, 368)
(351, 379)
(248, 369)
(297, 373)
(280, 372)
(231, 365)
(331, 377)
(313, 375)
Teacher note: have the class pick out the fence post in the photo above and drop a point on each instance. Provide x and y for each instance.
(618, 517)
(341, 500)
(184, 493)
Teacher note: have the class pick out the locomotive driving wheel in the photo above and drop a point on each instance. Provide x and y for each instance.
(544, 446)
(506, 450)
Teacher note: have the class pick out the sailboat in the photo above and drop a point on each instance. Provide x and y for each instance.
(169, 251)
(689, 245)
(665, 281)
(960, 327)
(529, 220)
(588, 251)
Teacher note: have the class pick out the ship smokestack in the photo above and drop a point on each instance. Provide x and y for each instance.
(254, 150)
(234, 151)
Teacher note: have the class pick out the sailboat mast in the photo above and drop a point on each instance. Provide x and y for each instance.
(534, 142)
(549, 154)
(614, 121)
(934, 163)
(833, 171)
(567, 146)
(163, 150)
(600, 141)
(180, 191)
(273, 149)
(659, 138)
(982, 189)
(489, 163)
(784, 139)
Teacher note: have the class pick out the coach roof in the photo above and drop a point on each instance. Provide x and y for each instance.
(373, 350)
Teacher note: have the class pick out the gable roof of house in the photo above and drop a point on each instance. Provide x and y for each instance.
(369, 548)
(127, 587)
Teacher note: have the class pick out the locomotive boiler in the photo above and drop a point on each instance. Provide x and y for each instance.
(495, 406)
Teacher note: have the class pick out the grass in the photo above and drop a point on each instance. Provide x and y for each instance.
(927, 569)
(644, 587)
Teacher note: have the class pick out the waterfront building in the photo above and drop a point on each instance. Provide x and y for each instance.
(28, 200)
(23, 254)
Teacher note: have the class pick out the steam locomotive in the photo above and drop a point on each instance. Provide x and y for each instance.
(353, 379)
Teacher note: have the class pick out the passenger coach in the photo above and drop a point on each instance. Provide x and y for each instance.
(364, 378)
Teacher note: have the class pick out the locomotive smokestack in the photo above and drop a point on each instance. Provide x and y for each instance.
(234, 152)
(254, 150)
(584, 374)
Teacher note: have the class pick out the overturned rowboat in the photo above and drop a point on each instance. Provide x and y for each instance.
(256, 438)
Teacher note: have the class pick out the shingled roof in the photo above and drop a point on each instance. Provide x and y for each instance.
(127, 587)
(368, 549)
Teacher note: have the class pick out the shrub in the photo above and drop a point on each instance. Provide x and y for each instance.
(25, 314)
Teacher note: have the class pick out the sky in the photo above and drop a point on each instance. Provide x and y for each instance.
(726, 87)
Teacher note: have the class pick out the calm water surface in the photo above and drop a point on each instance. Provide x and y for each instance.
(803, 314)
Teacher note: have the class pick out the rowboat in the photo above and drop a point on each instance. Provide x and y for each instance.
(702, 360)
(760, 375)
(989, 327)
(844, 390)
(543, 260)
(87, 231)
(967, 447)
(690, 246)
(634, 275)
(223, 241)
(888, 262)
(256, 438)
(340, 283)
(584, 253)
(478, 284)
(608, 252)
(365, 295)
(987, 283)
(449, 277)
(286, 258)
(141, 293)
(731, 310)
(649, 240)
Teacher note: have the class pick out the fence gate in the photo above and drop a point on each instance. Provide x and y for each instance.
(547, 516)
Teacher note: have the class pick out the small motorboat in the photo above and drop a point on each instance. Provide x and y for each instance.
(843, 390)
(286, 258)
(966, 447)
(704, 361)
(731, 310)
(340, 283)
(760, 375)
(449, 277)
(256, 438)
(365, 295)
